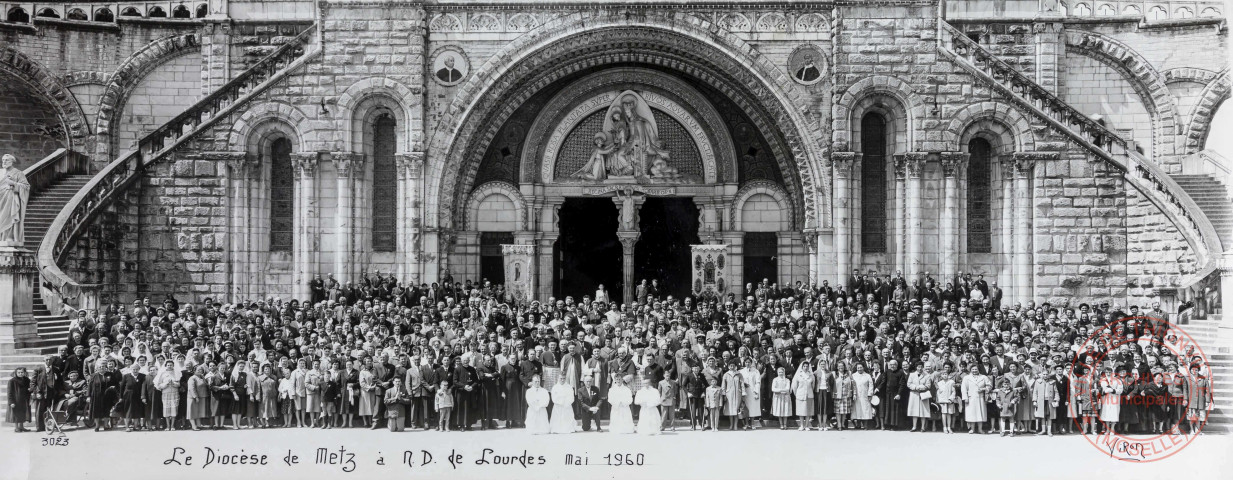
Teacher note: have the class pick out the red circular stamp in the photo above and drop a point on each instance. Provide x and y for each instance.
(1140, 389)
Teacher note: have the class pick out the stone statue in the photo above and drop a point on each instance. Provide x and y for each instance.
(634, 133)
(14, 195)
(599, 165)
(660, 169)
(629, 213)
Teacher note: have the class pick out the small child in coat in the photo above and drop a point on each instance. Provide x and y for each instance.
(714, 403)
(445, 403)
(1006, 400)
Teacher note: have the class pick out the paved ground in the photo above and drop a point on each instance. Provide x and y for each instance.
(760, 454)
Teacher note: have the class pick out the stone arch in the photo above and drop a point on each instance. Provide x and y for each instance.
(1006, 127)
(126, 78)
(1189, 74)
(358, 100)
(888, 95)
(705, 43)
(1142, 76)
(1216, 92)
(757, 187)
(262, 114)
(495, 188)
(54, 92)
(265, 131)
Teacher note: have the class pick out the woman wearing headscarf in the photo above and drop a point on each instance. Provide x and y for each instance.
(802, 392)
(198, 402)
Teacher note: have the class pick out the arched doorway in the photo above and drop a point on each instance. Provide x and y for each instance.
(537, 129)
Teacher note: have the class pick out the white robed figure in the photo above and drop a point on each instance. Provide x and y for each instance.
(649, 419)
(537, 408)
(563, 408)
(619, 396)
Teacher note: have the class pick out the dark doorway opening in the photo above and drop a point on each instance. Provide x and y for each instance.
(669, 226)
(492, 259)
(587, 252)
(760, 255)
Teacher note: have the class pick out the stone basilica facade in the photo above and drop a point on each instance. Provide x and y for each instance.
(238, 148)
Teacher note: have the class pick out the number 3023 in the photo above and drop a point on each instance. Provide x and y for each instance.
(55, 441)
(621, 459)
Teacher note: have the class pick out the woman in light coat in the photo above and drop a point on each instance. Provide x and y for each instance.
(751, 385)
(973, 391)
(802, 391)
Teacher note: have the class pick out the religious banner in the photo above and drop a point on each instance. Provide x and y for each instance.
(519, 279)
(710, 270)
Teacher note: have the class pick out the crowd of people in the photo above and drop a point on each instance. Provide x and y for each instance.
(874, 353)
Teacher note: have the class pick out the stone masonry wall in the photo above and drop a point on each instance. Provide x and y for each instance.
(183, 232)
(30, 129)
(1157, 255)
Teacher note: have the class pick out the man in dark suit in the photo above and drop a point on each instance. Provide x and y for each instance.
(317, 287)
(981, 285)
(588, 404)
(642, 291)
(694, 386)
(854, 282)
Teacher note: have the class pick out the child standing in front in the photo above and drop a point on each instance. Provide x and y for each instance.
(445, 403)
(1007, 400)
(714, 403)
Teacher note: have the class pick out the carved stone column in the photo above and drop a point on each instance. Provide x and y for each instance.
(810, 237)
(628, 232)
(239, 226)
(901, 210)
(410, 223)
(1007, 167)
(953, 164)
(306, 241)
(842, 163)
(1025, 167)
(914, 163)
(348, 164)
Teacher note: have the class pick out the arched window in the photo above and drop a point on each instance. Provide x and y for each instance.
(104, 15)
(18, 15)
(1082, 10)
(873, 184)
(1210, 12)
(181, 11)
(48, 13)
(1131, 10)
(202, 10)
(78, 14)
(1157, 13)
(158, 12)
(1184, 12)
(980, 211)
(130, 12)
(384, 185)
(1106, 9)
(282, 196)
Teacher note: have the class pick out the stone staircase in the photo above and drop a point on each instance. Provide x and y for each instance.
(44, 206)
(1213, 199)
(63, 208)
(1196, 204)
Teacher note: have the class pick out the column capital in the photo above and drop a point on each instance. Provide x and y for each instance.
(410, 163)
(1024, 162)
(843, 162)
(954, 162)
(347, 162)
(900, 164)
(914, 162)
(628, 240)
(305, 162)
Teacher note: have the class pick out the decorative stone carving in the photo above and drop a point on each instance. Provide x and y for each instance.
(843, 163)
(735, 22)
(522, 22)
(445, 22)
(628, 148)
(347, 162)
(914, 163)
(14, 196)
(450, 65)
(305, 163)
(772, 22)
(812, 22)
(807, 65)
(953, 163)
(484, 22)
